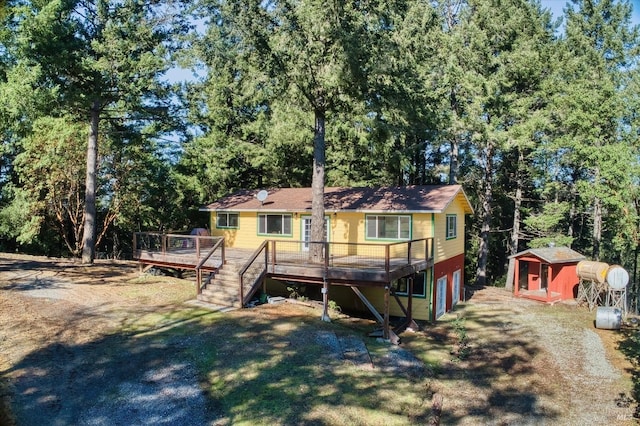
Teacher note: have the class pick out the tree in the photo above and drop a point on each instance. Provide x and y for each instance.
(589, 139)
(105, 58)
(334, 39)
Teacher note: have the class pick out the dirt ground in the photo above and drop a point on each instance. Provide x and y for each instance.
(496, 360)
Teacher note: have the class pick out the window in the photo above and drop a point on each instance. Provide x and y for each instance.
(401, 286)
(452, 226)
(388, 227)
(227, 220)
(274, 224)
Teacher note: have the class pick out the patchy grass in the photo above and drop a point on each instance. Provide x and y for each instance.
(268, 366)
(491, 361)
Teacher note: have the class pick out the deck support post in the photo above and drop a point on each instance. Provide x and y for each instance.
(385, 325)
(325, 301)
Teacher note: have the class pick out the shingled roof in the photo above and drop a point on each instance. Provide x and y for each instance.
(553, 255)
(411, 199)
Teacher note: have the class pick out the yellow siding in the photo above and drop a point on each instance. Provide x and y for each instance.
(246, 235)
(347, 299)
(447, 248)
(349, 227)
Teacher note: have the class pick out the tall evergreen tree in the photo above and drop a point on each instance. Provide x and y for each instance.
(105, 58)
(314, 56)
(599, 50)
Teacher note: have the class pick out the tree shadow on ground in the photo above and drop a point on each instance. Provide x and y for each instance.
(195, 368)
(630, 346)
(490, 370)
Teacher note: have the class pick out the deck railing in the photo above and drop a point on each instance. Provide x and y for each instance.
(253, 272)
(175, 248)
(218, 247)
(352, 255)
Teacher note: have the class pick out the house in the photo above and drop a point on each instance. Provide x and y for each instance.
(546, 274)
(424, 224)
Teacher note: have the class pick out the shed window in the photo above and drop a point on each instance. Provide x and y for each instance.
(227, 220)
(388, 227)
(274, 224)
(452, 226)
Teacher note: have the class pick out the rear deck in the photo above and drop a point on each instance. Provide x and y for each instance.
(348, 264)
(340, 263)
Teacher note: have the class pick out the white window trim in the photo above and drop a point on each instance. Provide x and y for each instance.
(227, 214)
(285, 217)
(441, 296)
(451, 232)
(455, 287)
(377, 237)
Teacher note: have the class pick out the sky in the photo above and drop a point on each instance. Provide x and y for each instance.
(556, 6)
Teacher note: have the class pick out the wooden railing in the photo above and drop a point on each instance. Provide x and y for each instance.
(352, 255)
(253, 272)
(218, 246)
(171, 246)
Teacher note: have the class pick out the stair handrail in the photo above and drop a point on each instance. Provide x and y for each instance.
(204, 260)
(254, 285)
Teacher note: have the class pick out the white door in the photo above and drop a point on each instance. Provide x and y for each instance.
(441, 296)
(455, 296)
(306, 231)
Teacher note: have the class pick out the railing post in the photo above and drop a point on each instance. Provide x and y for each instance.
(163, 243)
(387, 254)
(135, 245)
(326, 256)
(197, 247)
(266, 267)
(273, 253)
(409, 253)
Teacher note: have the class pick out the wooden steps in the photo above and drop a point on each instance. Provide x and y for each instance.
(223, 287)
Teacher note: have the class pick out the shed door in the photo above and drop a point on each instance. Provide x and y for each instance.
(523, 275)
(544, 275)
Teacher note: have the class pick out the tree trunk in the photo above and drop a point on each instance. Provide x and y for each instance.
(453, 162)
(89, 236)
(517, 205)
(597, 220)
(485, 214)
(515, 229)
(597, 227)
(318, 232)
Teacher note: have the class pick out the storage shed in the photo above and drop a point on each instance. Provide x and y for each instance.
(546, 274)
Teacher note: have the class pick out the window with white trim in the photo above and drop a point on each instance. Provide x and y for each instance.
(452, 226)
(227, 220)
(274, 224)
(388, 227)
(441, 296)
(401, 286)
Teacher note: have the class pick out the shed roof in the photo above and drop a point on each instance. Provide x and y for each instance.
(553, 255)
(409, 199)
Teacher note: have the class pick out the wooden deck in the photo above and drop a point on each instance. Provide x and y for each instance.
(349, 264)
(343, 264)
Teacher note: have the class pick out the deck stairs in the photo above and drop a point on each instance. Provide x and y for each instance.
(223, 286)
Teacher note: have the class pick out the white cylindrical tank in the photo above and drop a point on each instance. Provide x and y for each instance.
(608, 318)
(617, 277)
